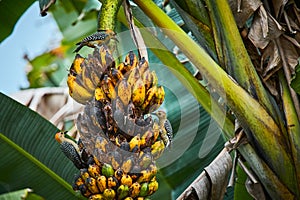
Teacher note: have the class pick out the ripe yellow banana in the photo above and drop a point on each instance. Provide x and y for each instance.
(153, 186)
(92, 185)
(87, 80)
(121, 68)
(108, 87)
(131, 61)
(115, 75)
(109, 194)
(101, 183)
(126, 180)
(145, 177)
(133, 76)
(112, 182)
(99, 94)
(147, 79)
(94, 170)
(157, 148)
(97, 197)
(160, 95)
(134, 144)
(76, 65)
(138, 92)
(134, 189)
(149, 96)
(77, 90)
(124, 92)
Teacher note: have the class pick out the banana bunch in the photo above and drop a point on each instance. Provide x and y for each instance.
(101, 181)
(120, 138)
(85, 73)
(98, 77)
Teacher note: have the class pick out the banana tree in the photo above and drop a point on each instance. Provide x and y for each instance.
(246, 55)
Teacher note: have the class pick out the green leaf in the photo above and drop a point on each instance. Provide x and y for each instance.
(295, 83)
(30, 156)
(11, 11)
(21, 194)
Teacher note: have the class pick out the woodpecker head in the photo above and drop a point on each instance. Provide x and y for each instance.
(59, 137)
(160, 114)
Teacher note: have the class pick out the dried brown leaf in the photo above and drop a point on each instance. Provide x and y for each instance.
(244, 10)
(264, 28)
(270, 60)
(212, 182)
(278, 6)
(135, 32)
(255, 190)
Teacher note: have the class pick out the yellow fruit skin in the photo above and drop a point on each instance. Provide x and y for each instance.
(110, 194)
(97, 197)
(157, 148)
(94, 170)
(77, 90)
(138, 92)
(101, 183)
(87, 80)
(127, 165)
(124, 92)
(131, 61)
(108, 87)
(145, 177)
(133, 76)
(149, 96)
(147, 79)
(126, 180)
(92, 185)
(134, 143)
(153, 186)
(112, 182)
(76, 65)
(134, 189)
(99, 94)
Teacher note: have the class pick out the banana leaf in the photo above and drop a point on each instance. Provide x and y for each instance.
(30, 156)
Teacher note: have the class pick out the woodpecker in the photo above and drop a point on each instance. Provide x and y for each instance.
(165, 127)
(70, 148)
(99, 38)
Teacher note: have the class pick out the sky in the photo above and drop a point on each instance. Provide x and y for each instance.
(32, 35)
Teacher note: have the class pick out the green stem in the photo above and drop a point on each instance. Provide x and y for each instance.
(237, 60)
(292, 123)
(108, 14)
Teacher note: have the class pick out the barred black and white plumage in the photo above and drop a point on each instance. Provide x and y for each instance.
(97, 39)
(70, 152)
(169, 129)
